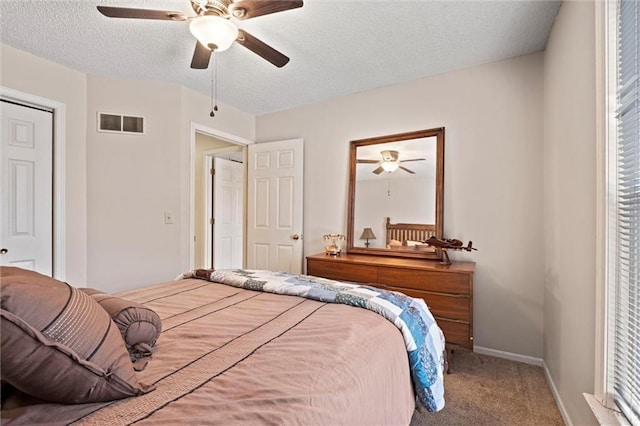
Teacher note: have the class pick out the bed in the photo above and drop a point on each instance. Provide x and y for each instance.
(409, 235)
(257, 347)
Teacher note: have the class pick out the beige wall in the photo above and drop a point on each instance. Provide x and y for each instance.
(493, 174)
(135, 179)
(119, 186)
(35, 76)
(569, 206)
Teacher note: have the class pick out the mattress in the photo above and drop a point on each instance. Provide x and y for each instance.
(230, 355)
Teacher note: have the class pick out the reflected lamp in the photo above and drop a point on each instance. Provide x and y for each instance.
(367, 234)
(389, 166)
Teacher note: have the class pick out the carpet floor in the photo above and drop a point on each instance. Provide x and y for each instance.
(485, 390)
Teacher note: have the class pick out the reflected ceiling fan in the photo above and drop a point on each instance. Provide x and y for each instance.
(390, 162)
(213, 28)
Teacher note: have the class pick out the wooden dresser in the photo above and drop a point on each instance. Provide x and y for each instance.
(447, 290)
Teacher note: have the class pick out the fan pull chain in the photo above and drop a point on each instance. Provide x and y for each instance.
(214, 86)
(211, 114)
(215, 67)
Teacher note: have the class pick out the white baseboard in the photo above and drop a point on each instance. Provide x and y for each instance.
(556, 396)
(509, 355)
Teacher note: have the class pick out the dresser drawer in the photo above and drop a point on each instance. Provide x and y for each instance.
(455, 333)
(442, 282)
(441, 305)
(448, 291)
(451, 313)
(334, 270)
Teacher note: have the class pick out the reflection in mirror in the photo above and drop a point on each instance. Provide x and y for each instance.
(396, 194)
(381, 193)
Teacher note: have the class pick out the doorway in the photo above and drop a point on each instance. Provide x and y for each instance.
(283, 163)
(207, 250)
(276, 203)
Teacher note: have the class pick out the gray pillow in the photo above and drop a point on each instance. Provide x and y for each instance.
(58, 344)
(139, 325)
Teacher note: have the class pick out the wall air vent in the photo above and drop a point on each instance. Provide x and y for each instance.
(117, 123)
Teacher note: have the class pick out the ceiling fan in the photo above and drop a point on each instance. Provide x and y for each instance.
(212, 26)
(389, 162)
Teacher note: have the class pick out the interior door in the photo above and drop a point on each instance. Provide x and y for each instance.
(26, 181)
(228, 199)
(275, 206)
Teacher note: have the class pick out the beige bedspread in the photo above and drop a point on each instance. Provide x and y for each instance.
(234, 356)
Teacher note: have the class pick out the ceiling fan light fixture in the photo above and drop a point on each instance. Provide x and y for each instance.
(214, 32)
(390, 166)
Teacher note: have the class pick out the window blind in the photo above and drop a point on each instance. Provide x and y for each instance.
(625, 250)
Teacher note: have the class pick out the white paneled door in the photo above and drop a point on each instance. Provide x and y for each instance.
(275, 206)
(228, 202)
(26, 196)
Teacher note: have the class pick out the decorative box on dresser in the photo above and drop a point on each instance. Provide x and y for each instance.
(447, 290)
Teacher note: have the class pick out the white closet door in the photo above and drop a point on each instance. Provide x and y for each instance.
(26, 195)
(228, 209)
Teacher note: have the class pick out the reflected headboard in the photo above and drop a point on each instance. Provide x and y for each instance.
(409, 231)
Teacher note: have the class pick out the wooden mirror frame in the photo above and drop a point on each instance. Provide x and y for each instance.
(439, 134)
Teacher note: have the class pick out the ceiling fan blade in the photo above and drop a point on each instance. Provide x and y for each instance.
(201, 57)
(413, 159)
(407, 170)
(125, 12)
(367, 161)
(378, 170)
(262, 49)
(247, 9)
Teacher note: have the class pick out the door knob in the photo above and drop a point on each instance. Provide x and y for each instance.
(295, 237)
(3, 251)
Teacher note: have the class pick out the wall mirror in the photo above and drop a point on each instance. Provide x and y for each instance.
(396, 186)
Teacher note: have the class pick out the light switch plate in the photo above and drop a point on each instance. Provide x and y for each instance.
(168, 218)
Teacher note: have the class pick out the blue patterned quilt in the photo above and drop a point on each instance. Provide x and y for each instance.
(422, 336)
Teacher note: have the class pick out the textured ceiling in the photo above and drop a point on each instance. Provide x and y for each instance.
(336, 47)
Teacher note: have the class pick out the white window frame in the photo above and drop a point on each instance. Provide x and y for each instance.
(601, 402)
